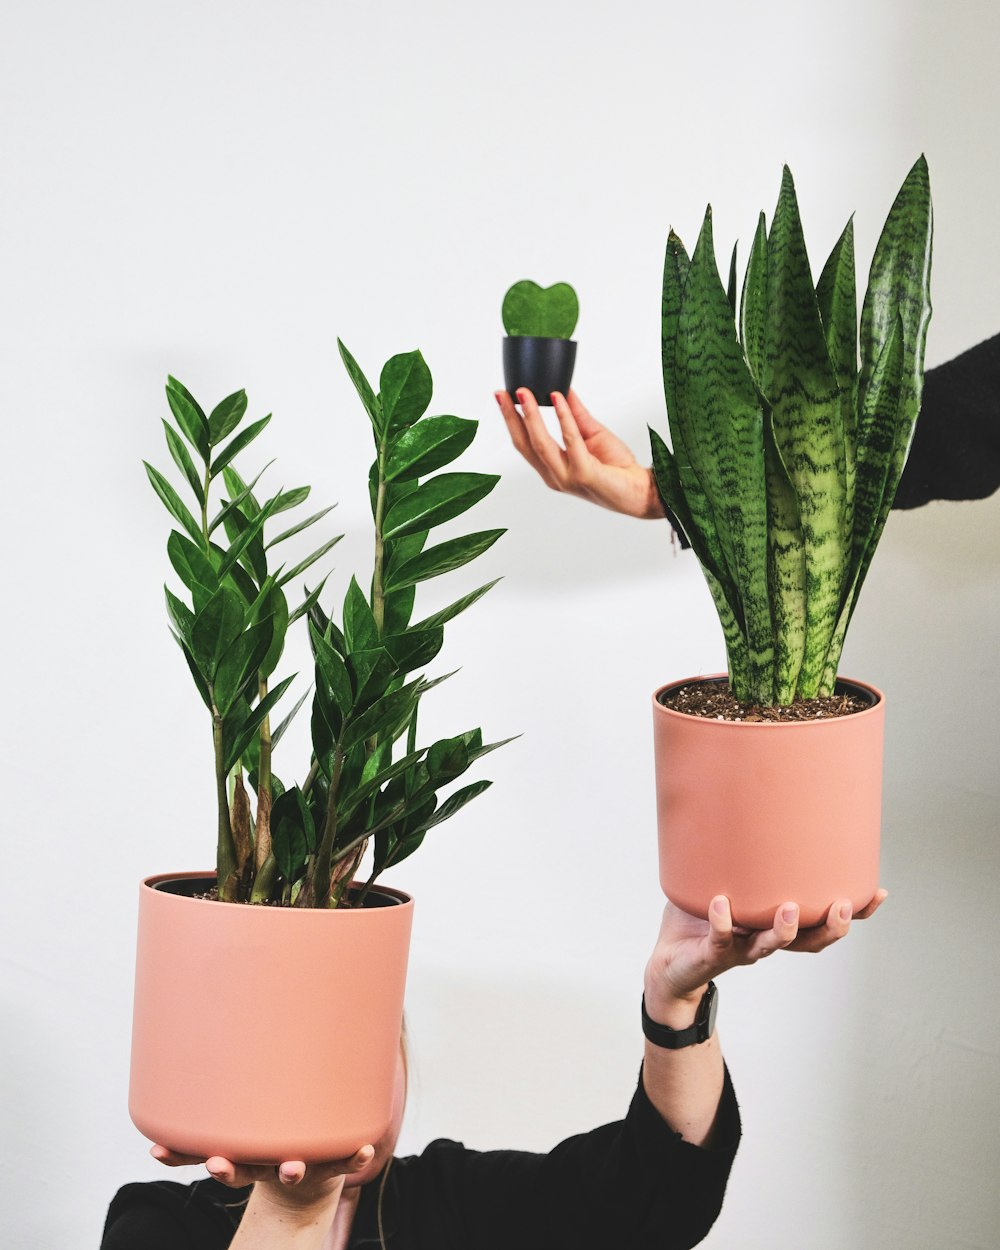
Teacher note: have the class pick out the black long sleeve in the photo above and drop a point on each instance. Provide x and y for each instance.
(633, 1185)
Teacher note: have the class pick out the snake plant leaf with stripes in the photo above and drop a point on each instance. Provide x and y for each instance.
(786, 448)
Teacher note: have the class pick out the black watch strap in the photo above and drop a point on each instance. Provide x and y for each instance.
(676, 1039)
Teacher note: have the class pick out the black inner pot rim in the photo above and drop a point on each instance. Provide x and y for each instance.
(188, 887)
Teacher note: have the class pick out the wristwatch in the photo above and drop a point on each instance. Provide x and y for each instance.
(676, 1039)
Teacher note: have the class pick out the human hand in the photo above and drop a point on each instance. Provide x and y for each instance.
(594, 464)
(293, 1184)
(690, 952)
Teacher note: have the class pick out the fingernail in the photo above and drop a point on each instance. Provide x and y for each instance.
(287, 1175)
(520, 396)
(846, 911)
(719, 906)
(496, 396)
(789, 914)
(554, 395)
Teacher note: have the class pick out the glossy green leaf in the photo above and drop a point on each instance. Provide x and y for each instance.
(731, 284)
(302, 525)
(447, 759)
(182, 458)
(216, 627)
(309, 561)
(238, 738)
(250, 534)
(384, 714)
(293, 833)
(181, 616)
(238, 669)
(405, 389)
(437, 500)
(189, 416)
(199, 680)
(371, 672)
(288, 499)
(399, 609)
(193, 567)
(455, 802)
(753, 305)
(360, 629)
(173, 503)
(241, 494)
(279, 732)
(361, 384)
(238, 444)
(330, 668)
(428, 446)
(443, 558)
(415, 648)
(437, 619)
(836, 294)
(304, 608)
(277, 613)
(226, 416)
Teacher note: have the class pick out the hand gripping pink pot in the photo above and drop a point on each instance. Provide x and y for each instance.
(769, 812)
(265, 1033)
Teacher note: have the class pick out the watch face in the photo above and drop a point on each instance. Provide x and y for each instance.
(713, 1008)
(709, 1007)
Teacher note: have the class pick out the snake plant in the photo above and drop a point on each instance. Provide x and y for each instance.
(787, 449)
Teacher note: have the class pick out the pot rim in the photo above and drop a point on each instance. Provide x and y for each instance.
(537, 338)
(151, 882)
(658, 707)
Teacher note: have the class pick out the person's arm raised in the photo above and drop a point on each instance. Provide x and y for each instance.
(592, 464)
(685, 1085)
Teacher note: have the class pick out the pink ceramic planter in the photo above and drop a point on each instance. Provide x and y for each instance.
(266, 1033)
(768, 813)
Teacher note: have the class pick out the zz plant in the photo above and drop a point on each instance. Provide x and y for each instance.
(302, 845)
(786, 451)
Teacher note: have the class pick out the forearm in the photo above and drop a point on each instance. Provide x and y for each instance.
(271, 1225)
(684, 1085)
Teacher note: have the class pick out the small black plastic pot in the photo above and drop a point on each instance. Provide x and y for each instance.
(539, 365)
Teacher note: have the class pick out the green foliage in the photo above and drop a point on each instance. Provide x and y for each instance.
(785, 453)
(305, 842)
(540, 312)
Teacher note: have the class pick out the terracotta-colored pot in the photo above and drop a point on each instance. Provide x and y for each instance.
(769, 812)
(265, 1033)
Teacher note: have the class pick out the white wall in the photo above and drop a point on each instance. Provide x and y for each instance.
(220, 190)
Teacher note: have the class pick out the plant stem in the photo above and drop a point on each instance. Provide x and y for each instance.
(262, 845)
(378, 581)
(204, 505)
(225, 855)
(324, 855)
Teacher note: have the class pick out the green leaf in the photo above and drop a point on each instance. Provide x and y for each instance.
(293, 833)
(530, 310)
(455, 802)
(447, 759)
(242, 494)
(807, 423)
(363, 387)
(290, 499)
(437, 500)
(309, 561)
(837, 297)
(193, 567)
(277, 614)
(182, 458)
(181, 616)
(386, 713)
(302, 525)
(216, 627)
(441, 559)
(399, 609)
(720, 422)
(437, 619)
(360, 629)
(278, 733)
(238, 670)
(405, 389)
(226, 416)
(428, 446)
(237, 738)
(172, 502)
(331, 670)
(753, 305)
(189, 416)
(238, 444)
(415, 648)
(675, 271)
(731, 286)
(371, 672)
(307, 604)
(249, 534)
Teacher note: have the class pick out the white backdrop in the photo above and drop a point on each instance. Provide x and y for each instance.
(218, 190)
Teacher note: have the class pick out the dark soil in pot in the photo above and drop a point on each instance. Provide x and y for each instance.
(204, 888)
(713, 700)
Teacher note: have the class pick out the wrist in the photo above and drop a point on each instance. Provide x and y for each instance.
(671, 1007)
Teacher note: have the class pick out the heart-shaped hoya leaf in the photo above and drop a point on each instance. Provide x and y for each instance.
(540, 312)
